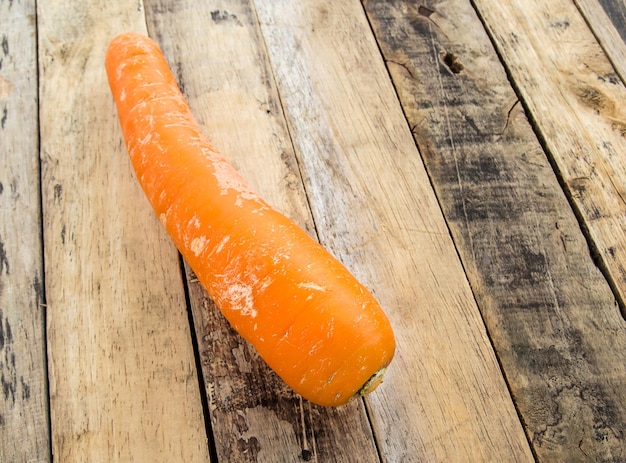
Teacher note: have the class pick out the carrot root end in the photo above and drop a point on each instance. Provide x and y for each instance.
(375, 380)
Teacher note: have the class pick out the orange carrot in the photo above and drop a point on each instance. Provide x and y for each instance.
(313, 323)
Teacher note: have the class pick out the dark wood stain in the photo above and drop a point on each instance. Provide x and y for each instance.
(548, 310)
(224, 17)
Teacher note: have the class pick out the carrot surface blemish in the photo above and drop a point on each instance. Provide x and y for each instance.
(313, 323)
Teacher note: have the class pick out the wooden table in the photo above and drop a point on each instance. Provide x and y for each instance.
(465, 159)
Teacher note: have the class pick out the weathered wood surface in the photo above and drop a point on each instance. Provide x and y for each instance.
(297, 95)
(373, 207)
(616, 11)
(123, 381)
(551, 314)
(24, 433)
(576, 100)
(607, 19)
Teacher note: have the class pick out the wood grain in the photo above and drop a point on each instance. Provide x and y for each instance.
(576, 99)
(24, 433)
(444, 398)
(218, 54)
(550, 313)
(123, 383)
(616, 11)
(607, 19)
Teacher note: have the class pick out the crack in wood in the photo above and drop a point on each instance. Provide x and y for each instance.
(508, 116)
(402, 65)
(307, 452)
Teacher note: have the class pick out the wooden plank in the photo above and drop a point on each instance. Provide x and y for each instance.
(218, 53)
(123, 383)
(576, 99)
(616, 11)
(607, 19)
(550, 313)
(24, 433)
(444, 398)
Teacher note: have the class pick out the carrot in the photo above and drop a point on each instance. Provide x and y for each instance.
(311, 321)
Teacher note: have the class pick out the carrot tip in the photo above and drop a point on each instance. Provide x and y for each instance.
(375, 380)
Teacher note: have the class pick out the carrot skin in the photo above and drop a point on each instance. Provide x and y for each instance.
(313, 323)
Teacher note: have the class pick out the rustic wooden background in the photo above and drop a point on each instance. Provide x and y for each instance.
(466, 159)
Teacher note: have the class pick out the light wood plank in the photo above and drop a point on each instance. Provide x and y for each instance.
(607, 19)
(576, 98)
(550, 313)
(218, 53)
(24, 433)
(123, 383)
(615, 11)
(444, 398)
